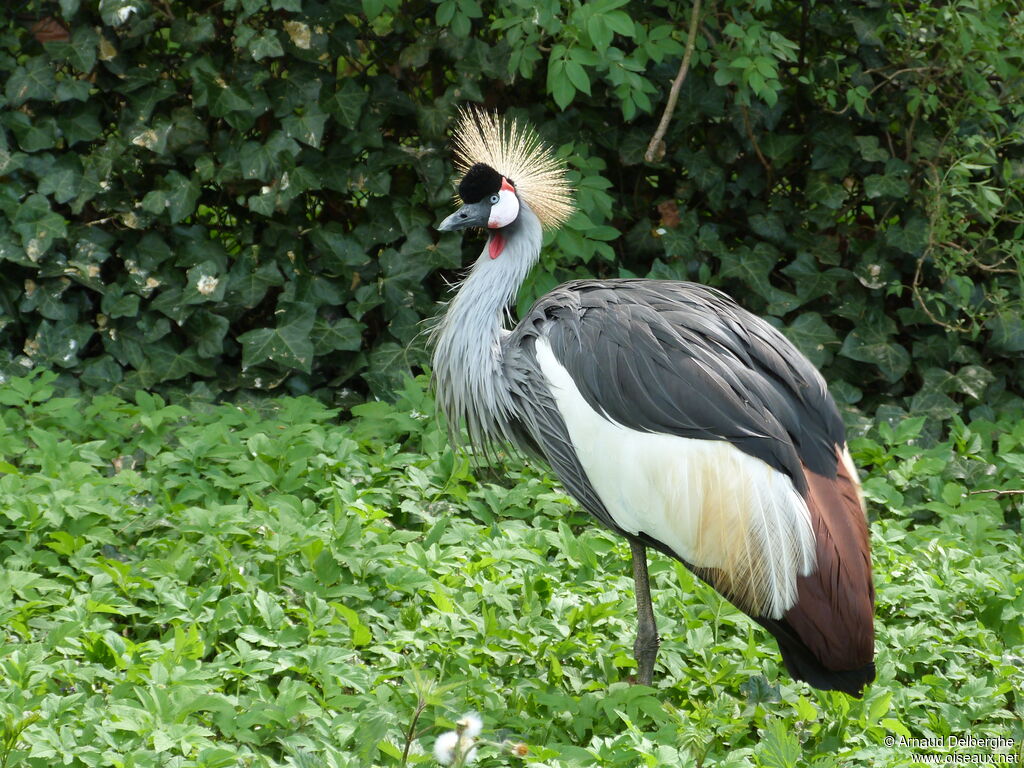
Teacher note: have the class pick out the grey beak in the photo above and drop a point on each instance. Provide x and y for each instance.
(469, 215)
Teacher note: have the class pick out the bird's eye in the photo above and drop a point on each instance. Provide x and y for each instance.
(494, 199)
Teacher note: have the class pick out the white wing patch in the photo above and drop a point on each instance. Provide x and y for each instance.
(719, 509)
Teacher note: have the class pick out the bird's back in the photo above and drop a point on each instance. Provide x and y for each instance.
(681, 420)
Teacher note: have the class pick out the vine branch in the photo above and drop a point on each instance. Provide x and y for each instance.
(656, 149)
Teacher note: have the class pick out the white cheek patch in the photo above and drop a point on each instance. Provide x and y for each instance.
(505, 211)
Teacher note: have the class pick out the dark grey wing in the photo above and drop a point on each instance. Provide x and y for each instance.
(684, 359)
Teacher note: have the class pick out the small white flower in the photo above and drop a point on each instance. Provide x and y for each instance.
(207, 284)
(123, 13)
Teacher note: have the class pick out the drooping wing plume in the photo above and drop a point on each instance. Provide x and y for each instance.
(516, 152)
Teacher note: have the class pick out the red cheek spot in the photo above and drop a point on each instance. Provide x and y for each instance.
(495, 245)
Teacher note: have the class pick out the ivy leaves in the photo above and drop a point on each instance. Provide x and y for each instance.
(288, 343)
(262, 210)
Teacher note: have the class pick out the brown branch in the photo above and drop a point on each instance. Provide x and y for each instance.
(998, 492)
(975, 261)
(656, 149)
(915, 285)
(885, 81)
(909, 140)
(757, 147)
(164, 7)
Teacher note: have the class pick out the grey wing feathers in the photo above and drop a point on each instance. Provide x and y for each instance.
(684, 359)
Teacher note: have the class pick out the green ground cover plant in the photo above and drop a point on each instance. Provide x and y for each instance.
(261, 585)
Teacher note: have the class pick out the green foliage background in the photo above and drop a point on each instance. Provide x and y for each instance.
(206, 198)
(241, 194)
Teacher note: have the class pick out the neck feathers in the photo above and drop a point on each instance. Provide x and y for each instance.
(468, 358)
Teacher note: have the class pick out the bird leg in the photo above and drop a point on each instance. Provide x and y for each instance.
(645, 649)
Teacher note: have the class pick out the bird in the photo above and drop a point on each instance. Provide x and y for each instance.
(676, 418)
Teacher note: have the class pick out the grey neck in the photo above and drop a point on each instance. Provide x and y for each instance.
(468, 374)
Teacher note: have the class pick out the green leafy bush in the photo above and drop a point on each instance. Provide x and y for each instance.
(230, 586)
(241, 194)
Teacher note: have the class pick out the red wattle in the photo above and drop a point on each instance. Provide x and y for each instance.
(495, 245)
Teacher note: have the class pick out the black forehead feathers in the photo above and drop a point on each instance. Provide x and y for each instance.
(479, 182)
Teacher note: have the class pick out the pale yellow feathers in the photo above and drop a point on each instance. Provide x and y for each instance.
(516, 152)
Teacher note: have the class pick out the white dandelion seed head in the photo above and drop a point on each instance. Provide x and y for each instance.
(444, 747)
(451, 746)
(519, 749)
(470, 724)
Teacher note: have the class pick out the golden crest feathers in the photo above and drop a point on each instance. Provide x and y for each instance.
(516, 152)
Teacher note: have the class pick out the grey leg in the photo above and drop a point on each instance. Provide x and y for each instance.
(645, 649)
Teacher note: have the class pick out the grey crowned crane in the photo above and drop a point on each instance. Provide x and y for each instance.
(675, 417)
